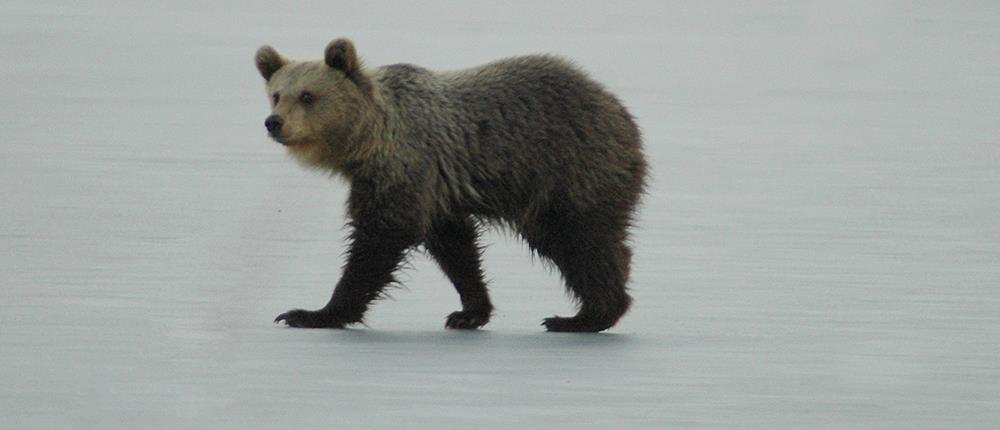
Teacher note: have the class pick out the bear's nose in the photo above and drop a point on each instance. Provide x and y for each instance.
(273, 124)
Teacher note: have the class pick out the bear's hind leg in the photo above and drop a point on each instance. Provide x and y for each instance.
(595, 266)
(597, 279)
(453, 245)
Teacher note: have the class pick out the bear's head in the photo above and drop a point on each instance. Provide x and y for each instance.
(318, 107)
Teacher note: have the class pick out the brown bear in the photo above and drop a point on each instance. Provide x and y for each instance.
(530, 143)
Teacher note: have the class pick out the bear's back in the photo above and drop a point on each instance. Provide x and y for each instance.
(523, 100)
(521, 126)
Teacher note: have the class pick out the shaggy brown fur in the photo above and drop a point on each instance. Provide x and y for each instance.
(530, 143)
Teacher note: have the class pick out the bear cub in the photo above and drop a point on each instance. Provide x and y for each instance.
(530, 143)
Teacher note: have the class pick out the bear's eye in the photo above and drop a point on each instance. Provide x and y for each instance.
(307, 98)
(275, 98)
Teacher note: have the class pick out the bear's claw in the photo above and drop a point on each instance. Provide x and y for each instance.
(575, 324)
(301, 318)
(467, 320)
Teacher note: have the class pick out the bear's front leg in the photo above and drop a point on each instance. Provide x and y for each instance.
(373, 256)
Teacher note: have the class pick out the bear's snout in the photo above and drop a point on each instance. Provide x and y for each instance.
(273, 124)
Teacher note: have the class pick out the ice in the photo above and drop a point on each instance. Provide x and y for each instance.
(819, 247)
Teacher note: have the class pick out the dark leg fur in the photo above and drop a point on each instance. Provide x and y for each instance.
(372, 259)
(453, 244)
(594, 262)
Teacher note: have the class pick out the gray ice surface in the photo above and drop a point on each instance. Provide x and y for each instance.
(820, 247)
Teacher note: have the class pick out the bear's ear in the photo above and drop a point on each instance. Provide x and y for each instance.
(268, 61)
(340, 55)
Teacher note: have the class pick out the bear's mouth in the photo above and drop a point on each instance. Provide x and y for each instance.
(281, 139)
(292, 143)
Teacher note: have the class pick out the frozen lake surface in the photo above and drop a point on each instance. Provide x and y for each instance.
(820, 247)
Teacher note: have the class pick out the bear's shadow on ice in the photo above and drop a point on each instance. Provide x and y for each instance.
(478, 337)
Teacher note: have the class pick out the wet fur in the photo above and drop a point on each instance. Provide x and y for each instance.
(530, 143)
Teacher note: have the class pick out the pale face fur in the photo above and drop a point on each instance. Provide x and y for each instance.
(319, 109)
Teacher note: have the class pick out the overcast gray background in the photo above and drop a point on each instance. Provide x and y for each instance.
(820, 246)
